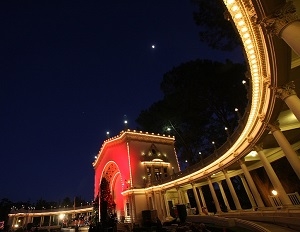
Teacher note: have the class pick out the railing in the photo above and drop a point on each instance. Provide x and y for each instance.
(294, 197)
(211, 158)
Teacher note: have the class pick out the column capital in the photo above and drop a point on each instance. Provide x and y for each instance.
(274, 126)
(224, 170)
(258, 147)
(280, 19)
(286, 90)
(241, 161)
(241, 175)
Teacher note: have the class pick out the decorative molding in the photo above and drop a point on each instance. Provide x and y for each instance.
(280, 19)
(249, 139)
(251, 11)
(267, 81)
(235, 153)
(261, 117)
(286, 90)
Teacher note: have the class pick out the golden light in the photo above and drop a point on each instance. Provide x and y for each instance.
(274, 192)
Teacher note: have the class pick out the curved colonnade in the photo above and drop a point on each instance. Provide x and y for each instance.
(268, 132)
(268, 31)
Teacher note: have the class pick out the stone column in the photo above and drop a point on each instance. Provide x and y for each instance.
(154, 201)
(284, 23)
(252, 185)
(164, 197)
(42, 221)
(214, 195)
(288, 94)
(286, 147)
(202, 197)
(196, 198)
(249, 194)
(162, 203)
(224, 195)
(186, 197)
(179, 195)
(232, 191)
(273, 177)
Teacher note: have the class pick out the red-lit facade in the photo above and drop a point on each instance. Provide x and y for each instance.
(132, 162)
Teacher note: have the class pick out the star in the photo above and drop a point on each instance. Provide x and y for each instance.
(153, 46)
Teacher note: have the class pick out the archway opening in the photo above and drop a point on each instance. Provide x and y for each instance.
(111, 186)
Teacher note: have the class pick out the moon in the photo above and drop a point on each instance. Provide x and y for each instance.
(153, 46)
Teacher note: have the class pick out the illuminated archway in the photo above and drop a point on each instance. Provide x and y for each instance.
(112, 174)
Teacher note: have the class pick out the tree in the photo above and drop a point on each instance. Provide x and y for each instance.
(5, 207)
(199, 101)
(215, 27)
(67, 202)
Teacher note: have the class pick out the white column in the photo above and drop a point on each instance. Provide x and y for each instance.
(179, 195)
(186, 197)
(252, 185)
(163, 208)
(232, 191)
(287, 149)
(202, 197)
(164, 196)
(196, 198)
(155, 201)
(42, 221)
(249, 194)
(273, 177)
(288, 94)
(285, 24)
(224, 195)
(214, 195)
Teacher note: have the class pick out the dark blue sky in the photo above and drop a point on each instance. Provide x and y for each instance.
(69, 71)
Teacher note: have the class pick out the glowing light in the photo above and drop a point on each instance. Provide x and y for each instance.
(241, 23)
(238, 16)
(153, 46)
(235, 8)
(244, 29)
(230, 2)
(274, 192)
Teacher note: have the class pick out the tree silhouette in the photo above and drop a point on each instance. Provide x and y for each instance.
(216, 30)
(199, 101)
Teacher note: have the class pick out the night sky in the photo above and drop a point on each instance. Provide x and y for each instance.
(69, 71)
